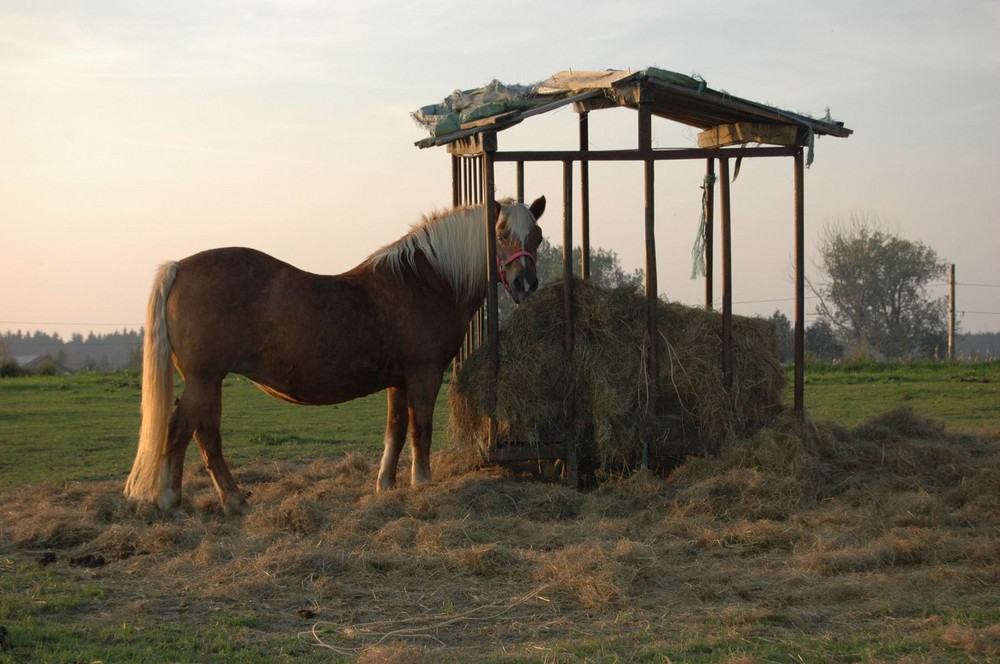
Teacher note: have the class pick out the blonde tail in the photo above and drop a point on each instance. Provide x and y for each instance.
(148, 480)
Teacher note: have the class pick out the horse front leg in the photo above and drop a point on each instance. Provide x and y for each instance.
(423, 391)
(395, 433)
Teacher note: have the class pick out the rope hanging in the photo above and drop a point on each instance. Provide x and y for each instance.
(698, 250)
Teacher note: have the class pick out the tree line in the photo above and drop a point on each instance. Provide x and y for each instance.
(95, 352)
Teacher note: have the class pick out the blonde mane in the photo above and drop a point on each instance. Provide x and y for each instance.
(454, 243)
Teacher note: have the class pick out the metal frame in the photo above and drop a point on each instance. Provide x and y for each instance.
(481, 148)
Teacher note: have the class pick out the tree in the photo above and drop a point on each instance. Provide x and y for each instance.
(875, 296)
(821, 341)
(605, 270)
(784, 335)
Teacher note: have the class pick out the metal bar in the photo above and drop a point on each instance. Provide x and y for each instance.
(477, 165)
(527, 452)
(652, 289)
(635, 155)
(799, 347)
(480, 322)
(571, 474)
(584, 198)
(520, 182)
(568, 253)
(727, 276)
(492, 313)
(466, 181)
(456, 200)
(709, 233)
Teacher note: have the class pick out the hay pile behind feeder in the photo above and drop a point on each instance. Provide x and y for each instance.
(599, 398)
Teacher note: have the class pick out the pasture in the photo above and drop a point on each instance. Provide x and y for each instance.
(870, 534)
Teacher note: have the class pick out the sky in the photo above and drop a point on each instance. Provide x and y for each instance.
(134, 132)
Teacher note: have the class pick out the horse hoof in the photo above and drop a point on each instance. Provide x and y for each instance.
(234, 507)
(384, 484)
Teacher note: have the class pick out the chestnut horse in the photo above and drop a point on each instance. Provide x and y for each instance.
(393, 322)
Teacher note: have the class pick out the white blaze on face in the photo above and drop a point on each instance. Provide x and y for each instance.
(520, 223)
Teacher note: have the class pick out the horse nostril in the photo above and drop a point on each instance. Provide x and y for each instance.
(523, 286)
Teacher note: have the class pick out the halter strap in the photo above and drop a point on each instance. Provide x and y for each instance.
(510, 259)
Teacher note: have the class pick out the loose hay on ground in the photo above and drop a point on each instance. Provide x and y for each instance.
(800, 534)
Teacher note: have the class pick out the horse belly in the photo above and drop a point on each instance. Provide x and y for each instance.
(326, 378)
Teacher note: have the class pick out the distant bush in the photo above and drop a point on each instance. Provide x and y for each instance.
(48, 368)
(10, 369)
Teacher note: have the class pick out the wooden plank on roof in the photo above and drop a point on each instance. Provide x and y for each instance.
(574, 81)
(748, 132)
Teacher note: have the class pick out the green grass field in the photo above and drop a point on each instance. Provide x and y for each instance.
(962, 396)
(84, 427)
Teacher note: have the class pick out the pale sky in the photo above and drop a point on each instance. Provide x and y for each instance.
(134, 132)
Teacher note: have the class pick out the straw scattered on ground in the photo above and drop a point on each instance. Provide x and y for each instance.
(878, 543)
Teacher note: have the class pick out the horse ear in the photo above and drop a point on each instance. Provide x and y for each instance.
(538, 207)
(499, 209)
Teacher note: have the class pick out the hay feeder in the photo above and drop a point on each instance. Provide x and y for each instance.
(468, 123)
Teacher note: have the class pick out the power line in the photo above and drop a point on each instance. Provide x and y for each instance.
(959, 283)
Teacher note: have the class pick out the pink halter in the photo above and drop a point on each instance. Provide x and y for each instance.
(510, 259)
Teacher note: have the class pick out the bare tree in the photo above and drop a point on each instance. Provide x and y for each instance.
(875, 294)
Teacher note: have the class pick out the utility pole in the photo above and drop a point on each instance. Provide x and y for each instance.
(951, 311)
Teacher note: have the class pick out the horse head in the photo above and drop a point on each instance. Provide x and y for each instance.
(518, 237)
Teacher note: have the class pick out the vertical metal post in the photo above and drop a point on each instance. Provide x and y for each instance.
(520, 182)
(951, 311)
(727, 275)
(571, 473)
(466, 177)
(709, 233)
(799, 346)
(456, 180)
(478, 197)
(584, 198)
(492, 313)
(652, 289)
(568, 252)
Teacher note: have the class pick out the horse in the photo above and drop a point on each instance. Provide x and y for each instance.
(392, 323)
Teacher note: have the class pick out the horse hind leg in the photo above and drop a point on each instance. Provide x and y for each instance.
(208, 433)
(395, 435)
(179, 433)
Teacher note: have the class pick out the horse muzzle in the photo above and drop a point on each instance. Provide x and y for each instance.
(524, 282)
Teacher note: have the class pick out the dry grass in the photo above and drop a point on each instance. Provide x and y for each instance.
(602, 399)
(878, 543)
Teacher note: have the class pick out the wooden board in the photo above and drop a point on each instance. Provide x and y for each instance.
(748, 132)
(575, 81)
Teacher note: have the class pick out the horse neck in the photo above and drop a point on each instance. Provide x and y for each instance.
(446, 251)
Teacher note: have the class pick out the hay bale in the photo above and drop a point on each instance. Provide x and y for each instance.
(600, 399)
